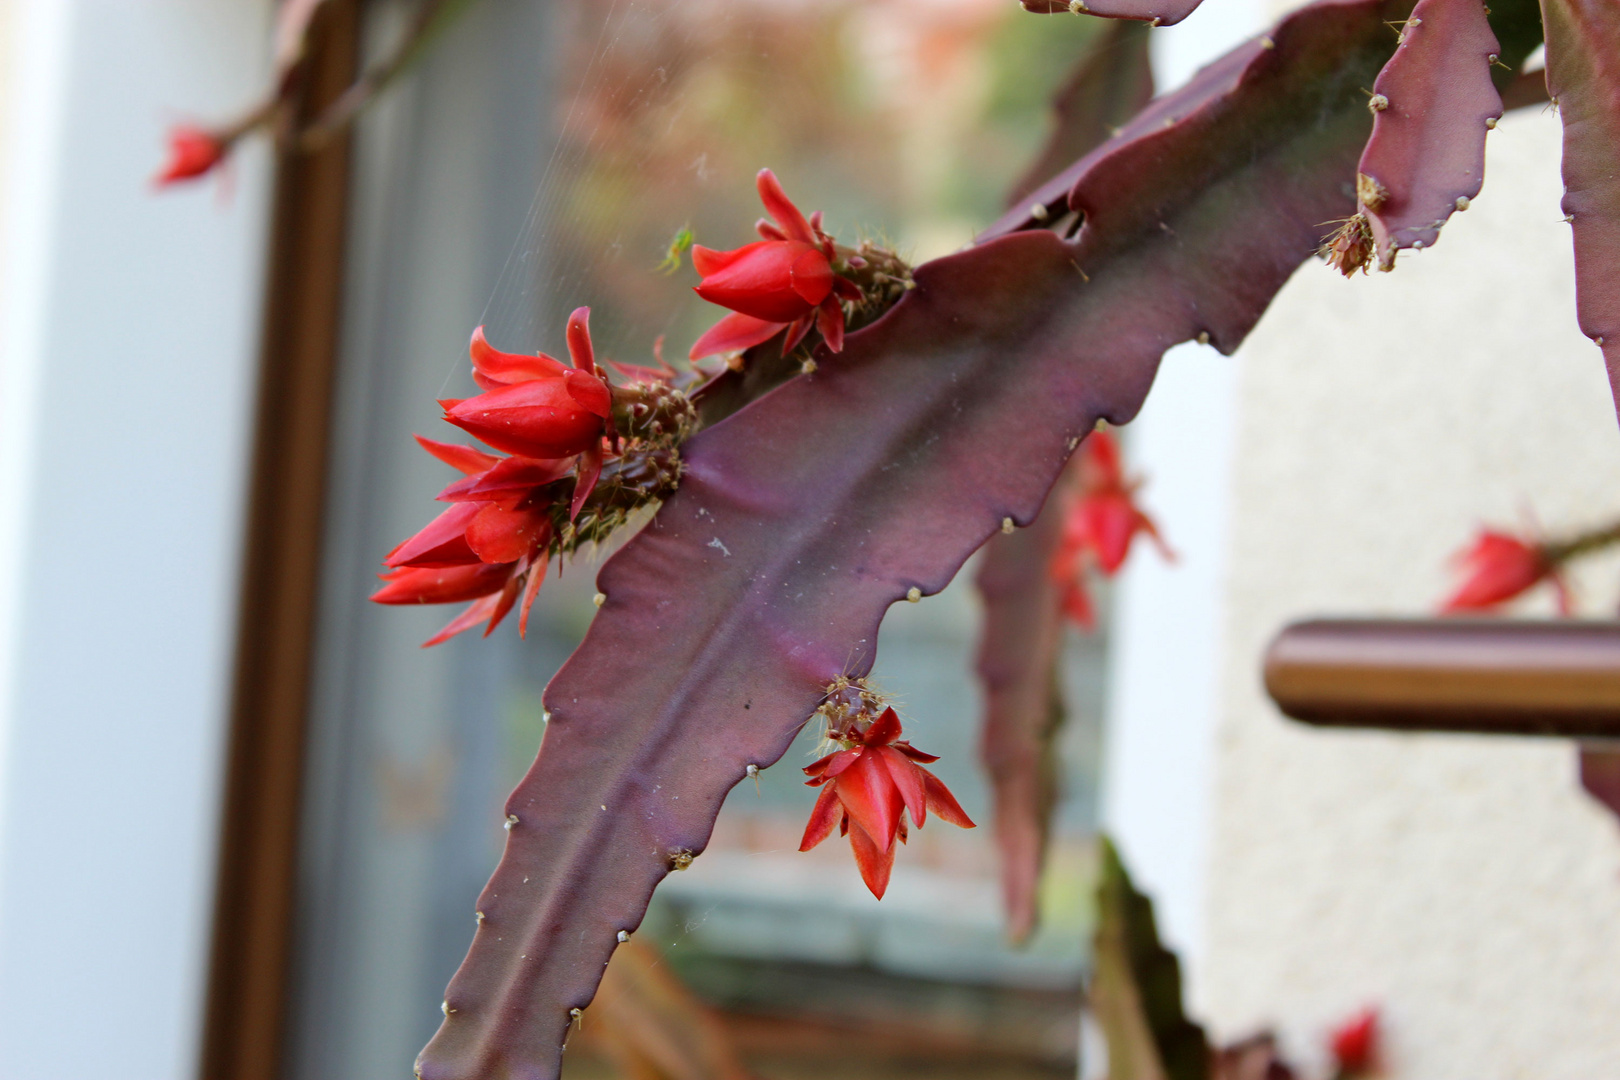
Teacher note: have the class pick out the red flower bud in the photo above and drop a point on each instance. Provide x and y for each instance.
(865, 790)
(1498, 567)
(537, 406)
(193, 152)
(782, 282)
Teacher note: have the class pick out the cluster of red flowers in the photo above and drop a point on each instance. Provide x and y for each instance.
(508, 514)
(1099, 524)
(870, 783)
(1497, 567)
(790, 280)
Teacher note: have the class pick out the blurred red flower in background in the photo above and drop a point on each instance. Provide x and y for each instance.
(1497, 567)
(785, 281)
(868, 786)
(1099, 524)
(193, 152)
(1354, 1045)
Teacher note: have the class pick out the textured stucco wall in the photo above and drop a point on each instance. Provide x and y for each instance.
(1464, 884)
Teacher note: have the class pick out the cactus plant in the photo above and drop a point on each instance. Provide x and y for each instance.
(880, 424)
(758, 588)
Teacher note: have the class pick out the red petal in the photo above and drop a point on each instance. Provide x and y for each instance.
(503, 603)
(768, 230)
(733, 333)
(909, 779)
(942, 802)
(760, 281)
(1111, 521)
(708, 261)
(1077, 603)
(499, 535)
(590, 467)
(823, 816)
(796, 332)
(884, 731)
(442, 542)
(874, 862)
(839, 762)
(579, 340)
(1100, 468)
(830, 321)
(537, 419)
(812, 276)
(492, 368)
(512, 476)
(440, 585)
(780, 207)
(816, 768)
(589, 391)
(457, 456)
(468, 619)
(537, 577)
(871, 798)
(913, 753)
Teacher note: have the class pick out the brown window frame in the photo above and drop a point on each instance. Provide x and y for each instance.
(246, 1009)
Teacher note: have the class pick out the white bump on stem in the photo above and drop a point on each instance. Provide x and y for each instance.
(1008, 525)
(511, 820)
(1038, 212)
(1378, 103)
(1463, 202)
(599, 599)
(624, 936)
(913, 595)
(1203, 337)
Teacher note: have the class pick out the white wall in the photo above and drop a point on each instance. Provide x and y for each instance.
(129, 329)
(1465, 884)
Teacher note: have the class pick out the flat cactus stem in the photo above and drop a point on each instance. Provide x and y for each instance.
(1020, 640)
(1157, 12)
(1111, 84)
(1021, 631)
(804, 515)
(1583, 76)
(1433, 104)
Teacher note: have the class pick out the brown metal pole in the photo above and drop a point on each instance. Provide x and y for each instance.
(1497, 676)
(252, 933)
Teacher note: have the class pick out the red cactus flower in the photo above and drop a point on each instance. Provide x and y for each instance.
(537, 406)
(784, 281)
(1498, 567)
(1099, 525)
(1355, 1044)
(493, 542)
(865, 790)
(193, 152)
